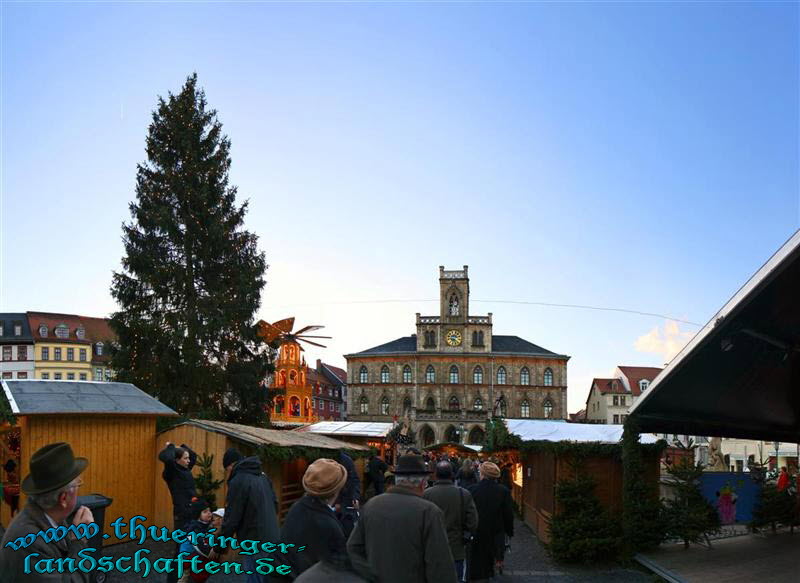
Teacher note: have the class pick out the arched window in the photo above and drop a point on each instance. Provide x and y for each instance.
(477, 375)
(406, 374)
(384, 374)
(362, 374)
(501, 375)
(454, 305)
(430, 404)
(524, 376)
(453, 374)
(547, 407)
(548, 377)
(453, 404)
(475, 339)
(363, 405)
(293, 376)
(97, 347)
(385, 406)
(430, 374)
(503, 407)
(478, 404)
(643, 384)
(480, 338)
(525, 409)
(406, 406)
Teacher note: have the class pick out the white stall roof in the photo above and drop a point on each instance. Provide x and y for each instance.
(542, 430)
(355, 428)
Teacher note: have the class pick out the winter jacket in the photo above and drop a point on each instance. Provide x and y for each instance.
(312, 523)
(466, 480)
(12, 563)
(202, 547)
(376, 468)
(460, 514)
(401, 538)
(250, 504)
(179, 481)
(352, 488)
(327, 572)
(495, 521)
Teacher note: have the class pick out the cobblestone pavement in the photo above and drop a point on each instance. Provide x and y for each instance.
(526, 563)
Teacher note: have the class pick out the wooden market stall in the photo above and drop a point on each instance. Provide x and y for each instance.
(454, 449)
(546, 457)
(366, 433)
(111, 424)
(283, 455)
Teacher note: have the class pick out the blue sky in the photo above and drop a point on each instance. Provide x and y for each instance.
(633, 155)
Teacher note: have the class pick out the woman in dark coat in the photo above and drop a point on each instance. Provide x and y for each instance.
(466, 475)
(178, 464)
(495, 522)
(312, 522)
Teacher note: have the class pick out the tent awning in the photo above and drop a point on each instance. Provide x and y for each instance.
(546, 430)
(740, 375)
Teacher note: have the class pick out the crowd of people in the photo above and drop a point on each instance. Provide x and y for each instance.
(439, 520)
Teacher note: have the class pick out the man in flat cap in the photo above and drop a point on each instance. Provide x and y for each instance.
(401, 537)
(52, 490)
(495, 522)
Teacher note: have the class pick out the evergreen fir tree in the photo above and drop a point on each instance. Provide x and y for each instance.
(643, 519)
(205, 483)
(581, 531)
(192, 276)
(689, 516)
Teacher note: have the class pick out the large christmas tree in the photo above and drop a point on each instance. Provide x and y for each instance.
(192, 276)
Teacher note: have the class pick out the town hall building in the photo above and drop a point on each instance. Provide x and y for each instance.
(454, 373)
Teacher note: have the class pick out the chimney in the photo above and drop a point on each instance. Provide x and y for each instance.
(319, 364)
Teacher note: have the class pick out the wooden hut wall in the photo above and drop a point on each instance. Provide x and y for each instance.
(538, 491)
(121, 455)
(546, 469)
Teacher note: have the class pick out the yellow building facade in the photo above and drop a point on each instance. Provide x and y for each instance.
(69, 347)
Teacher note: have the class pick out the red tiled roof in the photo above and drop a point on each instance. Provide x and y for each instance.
(71, 321)
(340, 373)
(609, 386)
(634, 374)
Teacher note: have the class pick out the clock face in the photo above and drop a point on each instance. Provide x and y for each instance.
(453, 337)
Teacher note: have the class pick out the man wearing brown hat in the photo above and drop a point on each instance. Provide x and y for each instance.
(52, 490)
(311, 521)
(401, 536)
(495, 522)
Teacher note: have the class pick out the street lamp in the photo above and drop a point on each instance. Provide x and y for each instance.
(777, 445)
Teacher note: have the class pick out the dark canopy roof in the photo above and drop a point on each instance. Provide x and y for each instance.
(500, 345)
(32, 397)
(740, 376)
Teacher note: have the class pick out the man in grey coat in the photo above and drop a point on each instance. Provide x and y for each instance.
(401, 537)
(52, 489)
(460, 514)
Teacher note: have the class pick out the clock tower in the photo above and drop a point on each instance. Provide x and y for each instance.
(454, 330)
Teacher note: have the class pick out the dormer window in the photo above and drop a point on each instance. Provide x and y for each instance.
(80, 333)
(98, 348)
(43, 331)
(17, 329)
(62, 331)
(643, 384)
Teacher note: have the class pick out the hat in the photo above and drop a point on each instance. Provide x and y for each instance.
(490, 470)
(197, 506)
(411, 464)
(53, 467)
(219, 512)
(232, 455)
(324, 478)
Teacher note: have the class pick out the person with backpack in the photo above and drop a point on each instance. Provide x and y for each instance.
(460, 514)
